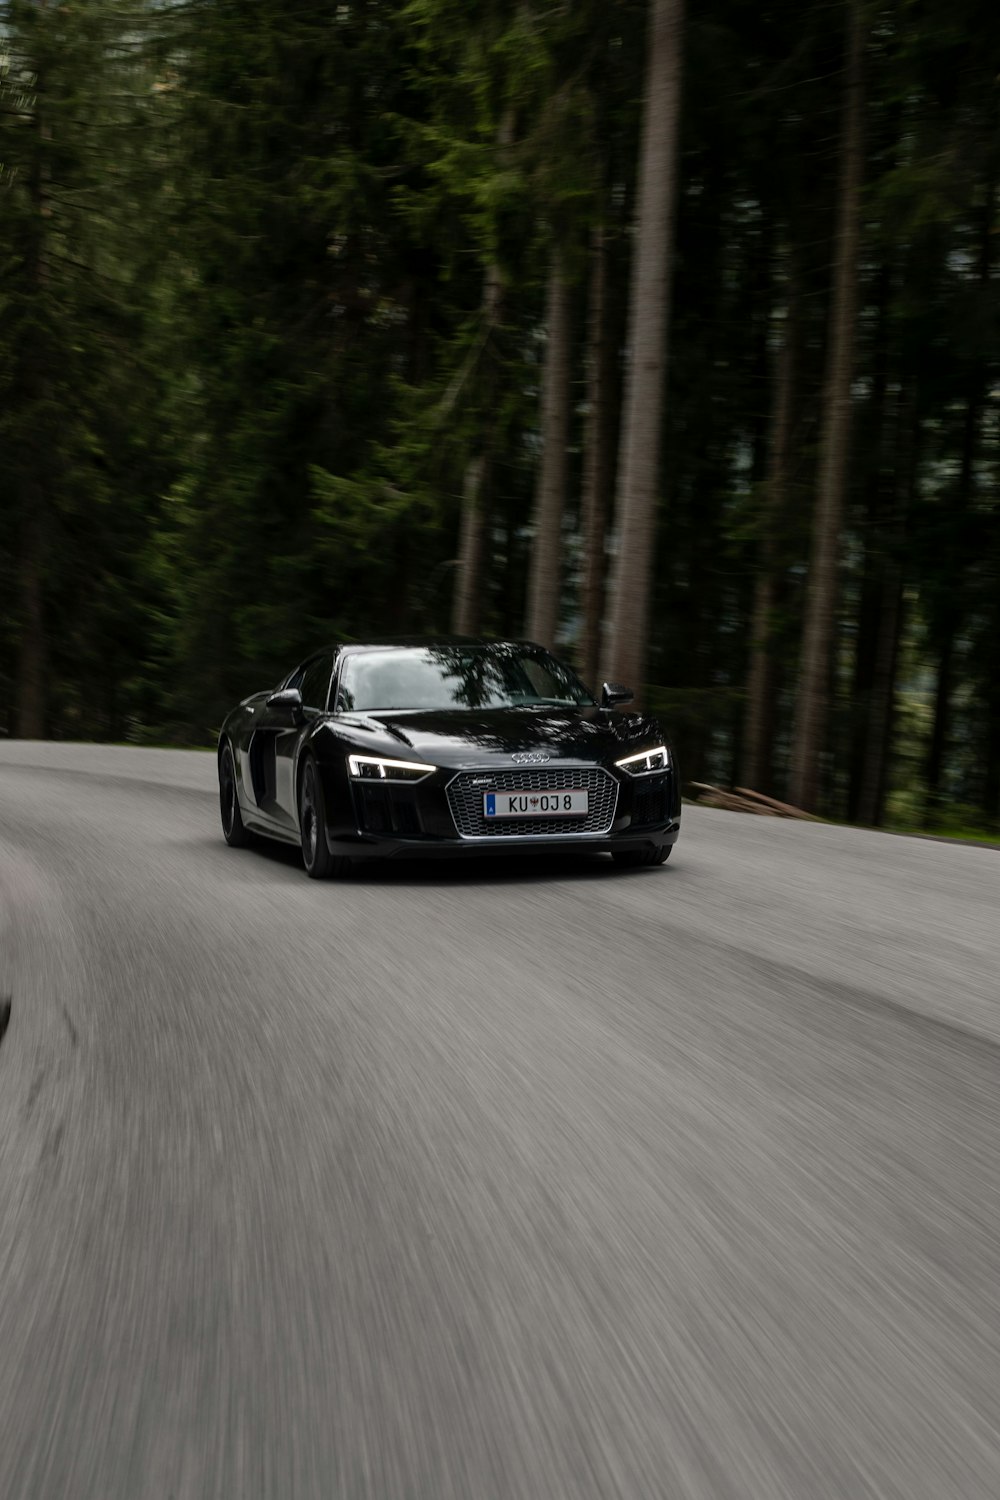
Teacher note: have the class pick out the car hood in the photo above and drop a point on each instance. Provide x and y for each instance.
(459, 737)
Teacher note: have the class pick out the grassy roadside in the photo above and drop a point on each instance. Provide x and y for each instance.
(943, 833)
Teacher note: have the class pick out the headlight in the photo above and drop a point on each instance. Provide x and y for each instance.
(375, 768)
(646, 762)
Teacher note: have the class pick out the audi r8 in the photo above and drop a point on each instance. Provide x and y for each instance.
(445, 747)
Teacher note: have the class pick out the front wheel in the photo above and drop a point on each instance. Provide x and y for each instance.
(319, 862)
(237, 836)
(636, 859)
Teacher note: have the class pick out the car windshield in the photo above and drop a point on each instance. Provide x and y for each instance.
(457, 677)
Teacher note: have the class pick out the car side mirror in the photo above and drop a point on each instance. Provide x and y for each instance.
(289, 699)
(613, 693)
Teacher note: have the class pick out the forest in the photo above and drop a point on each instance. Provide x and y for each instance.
(666, 336)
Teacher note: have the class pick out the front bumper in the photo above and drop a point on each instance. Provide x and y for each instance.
(385, 847)
(430, 819)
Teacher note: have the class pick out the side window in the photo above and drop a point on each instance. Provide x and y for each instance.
(315, 683)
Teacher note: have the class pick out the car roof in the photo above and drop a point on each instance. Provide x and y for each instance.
(403, 642)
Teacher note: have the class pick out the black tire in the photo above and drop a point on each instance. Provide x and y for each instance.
(638, 859)
(237, 836)
(319, 862)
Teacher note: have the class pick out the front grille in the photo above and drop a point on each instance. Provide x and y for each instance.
(651, 802)
(466, 801)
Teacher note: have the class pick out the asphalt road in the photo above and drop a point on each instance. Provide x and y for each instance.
(473, 1183)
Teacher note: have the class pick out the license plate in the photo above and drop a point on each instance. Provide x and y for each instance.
(553, 804)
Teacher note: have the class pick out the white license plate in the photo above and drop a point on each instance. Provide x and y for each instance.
(553, 804)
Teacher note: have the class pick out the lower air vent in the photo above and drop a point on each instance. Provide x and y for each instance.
(651, 802)
(383, 809)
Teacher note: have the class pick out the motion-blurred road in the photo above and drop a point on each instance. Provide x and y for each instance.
(454, 1184)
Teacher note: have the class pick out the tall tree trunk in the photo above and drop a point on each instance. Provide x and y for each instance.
(880, 424)
(598, 455)
(950, 620)
(882, 700)
(758, 746)
(760, 290)
(954, 607)
(32, 664)
(546, 553)
(940, 731)
(991, 740)
(812, 700)
(467, 600)
(467, 604)
(990, 801)
(871, 801)
(32, 668)
(639, 462)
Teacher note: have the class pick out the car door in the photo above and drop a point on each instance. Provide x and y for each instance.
(314, 685)
(274, 724)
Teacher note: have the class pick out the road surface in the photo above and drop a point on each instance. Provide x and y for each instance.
(482, 1183)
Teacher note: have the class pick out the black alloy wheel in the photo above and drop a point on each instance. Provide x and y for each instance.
(319, 862)
(236, 835)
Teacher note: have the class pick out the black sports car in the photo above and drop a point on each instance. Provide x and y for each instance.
(451, 747)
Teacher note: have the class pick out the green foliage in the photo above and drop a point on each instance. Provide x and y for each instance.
(77, 388)
(247, 348)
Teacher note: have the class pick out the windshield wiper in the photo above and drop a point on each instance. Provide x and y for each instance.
(550, 703)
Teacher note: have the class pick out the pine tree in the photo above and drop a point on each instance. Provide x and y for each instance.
(638, 475)
(814, 675)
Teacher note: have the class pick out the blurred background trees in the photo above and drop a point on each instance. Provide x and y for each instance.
(671, 340)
